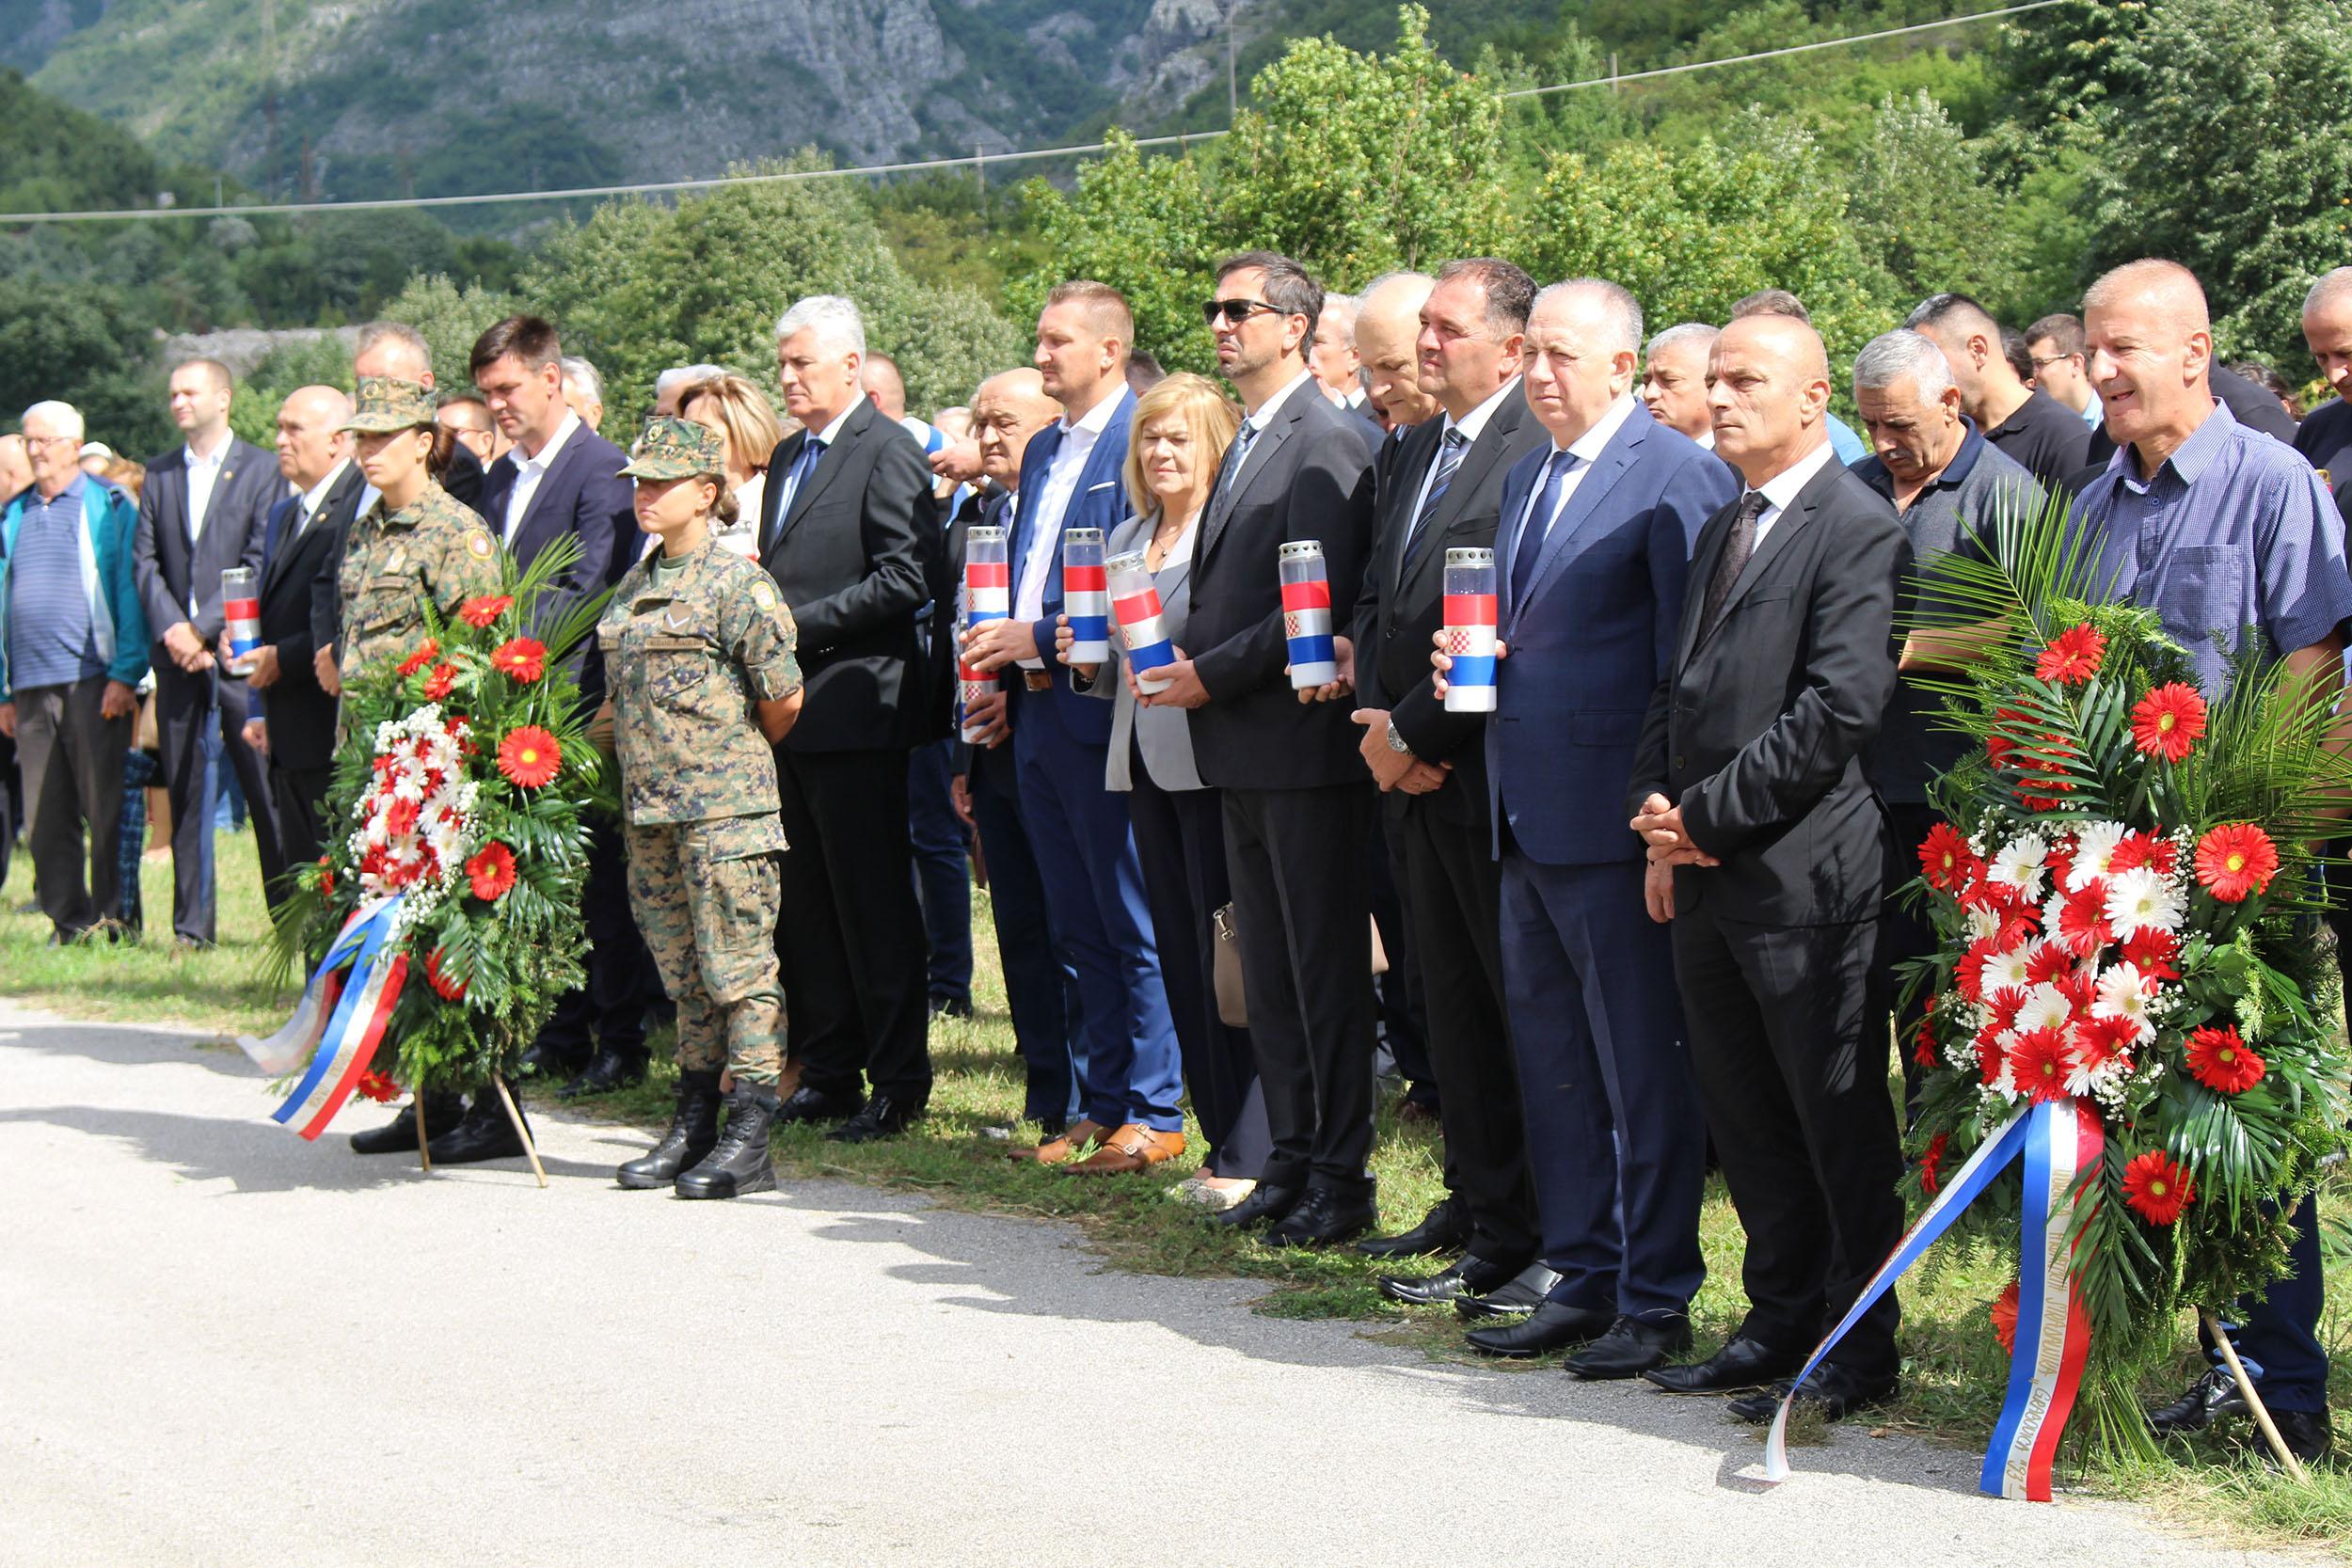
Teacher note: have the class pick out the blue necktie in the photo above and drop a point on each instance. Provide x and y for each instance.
(802, 465)
(1529, 548)
(1235, 456)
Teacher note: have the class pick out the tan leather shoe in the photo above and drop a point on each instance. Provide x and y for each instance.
(1132, 1149)
(1055, 1151)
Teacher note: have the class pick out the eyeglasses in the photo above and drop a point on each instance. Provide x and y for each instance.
(31, 442)
(1236, 311)
(2052, 359)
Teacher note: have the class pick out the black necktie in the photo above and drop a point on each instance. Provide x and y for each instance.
(796, 479)
(1449, 458)
(1738, 548)
(1235, 456)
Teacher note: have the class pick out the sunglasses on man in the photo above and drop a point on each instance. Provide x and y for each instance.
(1236, 311)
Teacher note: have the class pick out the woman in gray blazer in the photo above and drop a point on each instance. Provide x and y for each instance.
(1182, 428)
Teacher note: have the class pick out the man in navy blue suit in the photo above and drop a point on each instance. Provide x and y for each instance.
(1592, 547)
(1129, 1072)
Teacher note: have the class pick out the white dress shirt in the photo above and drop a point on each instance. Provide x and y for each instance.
(1782, 487)
(1587, 448)
(312, 499)
(830, 433)
(1470, 425)
(1052, 505)
(529, 471)
(203, 478)
(742, 537)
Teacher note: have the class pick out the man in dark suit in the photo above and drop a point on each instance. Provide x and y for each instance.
(846, 527)
(1768, 854)
(205, 509)
(1441, 491)
(294, 721)
(560, 479)
(1596, 531)
(1298, 810)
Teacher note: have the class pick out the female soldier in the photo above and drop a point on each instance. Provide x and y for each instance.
(698, 651)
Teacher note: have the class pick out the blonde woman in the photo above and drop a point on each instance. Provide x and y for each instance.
(747, 423)
(1182, 428)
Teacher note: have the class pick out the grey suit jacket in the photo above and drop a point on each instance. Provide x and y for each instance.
(171, 570)
(1164, 733)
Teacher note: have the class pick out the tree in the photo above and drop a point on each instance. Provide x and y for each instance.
(71, 346)
(1922, 208)
(451, 317)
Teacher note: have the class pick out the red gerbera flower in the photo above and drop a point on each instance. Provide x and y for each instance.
(401, 821)
(2083, 922)
(1932, 1164)
(492, 872)
(378, 1087)
(2222, 1062)
(2006, 1003)
(1946, 859)
(2135, 851)
(2002, 741)
(2050, 961)
(2234, 860)
(2080, 989)
(482, 612)
(447, 988)
(327, 877)
(2041, 1063)
(529, 756)
(2100, 1040)
(2157, 1187)
(422, 657)
(2005, 1319)
(2072, 657)
(1923, 1045)
(523, 659)
(1969, 976)
(436, 684)
(2168, 721)
(2151, 951)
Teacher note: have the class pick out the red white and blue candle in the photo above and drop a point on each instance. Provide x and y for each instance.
(1306, 615)
(1470, 630)
(1085, 596)
(241, 605)
(1135, 606)
(987, 577)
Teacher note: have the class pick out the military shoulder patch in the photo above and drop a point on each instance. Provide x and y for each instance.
(764, 596)
(478, 544)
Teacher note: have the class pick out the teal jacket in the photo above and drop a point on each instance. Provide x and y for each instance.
(108, 523)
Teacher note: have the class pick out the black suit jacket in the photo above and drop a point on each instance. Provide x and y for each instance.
(1401, 610)
(1306, 477)
(300, 714)
(581, 493)
(170, 568)
(854, 559)
(1758, 731)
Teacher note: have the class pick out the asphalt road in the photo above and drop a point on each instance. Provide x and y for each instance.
(226, 1346)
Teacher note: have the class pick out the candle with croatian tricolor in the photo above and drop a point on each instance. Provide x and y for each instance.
(1306, 615)
(1470, 630)
(1086, 595)
(241, 606)
(1135, 606)
(987, 596)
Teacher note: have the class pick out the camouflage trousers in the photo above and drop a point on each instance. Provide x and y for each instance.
(705, 897)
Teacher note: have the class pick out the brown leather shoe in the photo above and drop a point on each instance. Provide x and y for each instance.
(1055, 1151)
(1132, 1147)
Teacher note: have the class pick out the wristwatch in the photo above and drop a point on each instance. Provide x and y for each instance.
(1396, 741)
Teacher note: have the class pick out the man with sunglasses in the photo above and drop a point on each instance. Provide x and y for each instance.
(1298, 810)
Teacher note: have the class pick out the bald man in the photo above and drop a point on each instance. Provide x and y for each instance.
(293, 723)
(1768, 855)
(1388, 329)
(2325, 435)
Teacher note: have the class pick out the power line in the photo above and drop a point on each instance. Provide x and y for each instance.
(660, 188)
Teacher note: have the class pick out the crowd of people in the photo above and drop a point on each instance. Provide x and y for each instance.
(1638, 912)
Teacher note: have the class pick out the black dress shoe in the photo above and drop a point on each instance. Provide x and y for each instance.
(613, 1069)
(442, 1112)
(1553, 1327)
(1527, 1290)
(1832, 1393)
(1470, 1275)
(549, 1063)
(1742, 1363)
(738, 1163)
(807, 1104)
(2306, 1433)
(486, 1133)
(1445, 1228)
(884, 1118)
(951, 1006)
(1268, 1202)
(1325, 1216)
(694, 1129)
(2205, 1402)
(1631, 1347)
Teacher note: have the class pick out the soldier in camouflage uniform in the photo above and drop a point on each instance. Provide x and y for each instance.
(698, 653)
(417, 543)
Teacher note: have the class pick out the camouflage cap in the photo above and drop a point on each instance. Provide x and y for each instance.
(386, 402)
(676, 448)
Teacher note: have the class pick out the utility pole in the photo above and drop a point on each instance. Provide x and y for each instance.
(1233, 89)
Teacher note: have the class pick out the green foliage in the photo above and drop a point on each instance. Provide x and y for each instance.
(451, 315)
(1921, 207)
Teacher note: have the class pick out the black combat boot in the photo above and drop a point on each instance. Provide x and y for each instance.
(692, 1132)
(738, 1163)
(399, 1136)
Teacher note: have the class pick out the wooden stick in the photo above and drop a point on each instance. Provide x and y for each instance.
(531, 1150)
(2253, 1401)
(424, 1155)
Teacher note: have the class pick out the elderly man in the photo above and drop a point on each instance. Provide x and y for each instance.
(583, 391)
(845, 523)
(73, 645)
(2217, 528)
(1338, 372)
(2325, 435)
(2054, 348)
(671, 385)
(2045, 436)
(204, 509)
(1440, 490)
(1769, 855)
(1388, 346)
(1674, 380)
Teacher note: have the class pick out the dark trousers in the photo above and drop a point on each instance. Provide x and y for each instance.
(1296, 861)
(2280, 1334)
(849, 938)
(8, 815)
(298, 795)
(608, 1009)
(942, 872)
(190, 709)
(1786, 1034)
(1180, 838)
(1454, 895)
(1401, 1006)
(1040, 987)
(72, 764)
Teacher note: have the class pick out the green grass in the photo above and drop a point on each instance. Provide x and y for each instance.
(1954, 1371)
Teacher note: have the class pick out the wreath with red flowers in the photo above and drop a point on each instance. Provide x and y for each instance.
(464, 785)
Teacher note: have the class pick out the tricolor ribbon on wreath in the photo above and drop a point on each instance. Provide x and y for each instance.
(2058, 1139)
(338, 1022)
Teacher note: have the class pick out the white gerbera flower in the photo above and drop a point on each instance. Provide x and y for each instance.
(2094, 846)
(2124, 993)
(2142, 899)
(2019, 863)
(2005, 970)
(2046, 1007)
(1981, 923)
